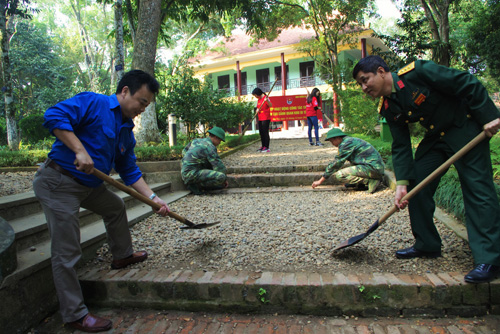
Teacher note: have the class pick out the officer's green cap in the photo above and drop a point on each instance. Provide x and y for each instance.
(334, 133)
(218, 132)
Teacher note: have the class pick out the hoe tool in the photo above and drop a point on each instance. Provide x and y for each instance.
(354, 240)
(189, 224)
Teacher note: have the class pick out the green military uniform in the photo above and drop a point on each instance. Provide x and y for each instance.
(366, 162)
(452, 106)
(202, 168)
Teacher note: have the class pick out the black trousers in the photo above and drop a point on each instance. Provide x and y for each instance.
(264, 132)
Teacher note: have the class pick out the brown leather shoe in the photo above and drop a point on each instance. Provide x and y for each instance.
(134, 258)
(92, 323)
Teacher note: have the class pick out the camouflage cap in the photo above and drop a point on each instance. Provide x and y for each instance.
(335, 132)
(218, 132)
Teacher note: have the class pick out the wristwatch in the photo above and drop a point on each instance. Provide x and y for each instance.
(153, 195)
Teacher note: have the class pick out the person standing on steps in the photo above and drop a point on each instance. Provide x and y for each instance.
(202, 168)
(367, 166)
(453, 107)
(92, 131)
(313, 106)
(264, 118)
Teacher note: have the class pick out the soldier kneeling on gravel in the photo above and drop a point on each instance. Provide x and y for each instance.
(202, 168)
(367, 166)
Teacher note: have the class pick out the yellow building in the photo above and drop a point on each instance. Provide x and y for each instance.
(241, 67)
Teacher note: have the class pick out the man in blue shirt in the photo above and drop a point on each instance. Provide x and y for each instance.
(92, 131)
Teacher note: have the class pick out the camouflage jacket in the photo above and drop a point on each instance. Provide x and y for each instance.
(201, 154)
(357, 152)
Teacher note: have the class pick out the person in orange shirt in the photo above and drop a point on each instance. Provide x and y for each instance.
(264, 107)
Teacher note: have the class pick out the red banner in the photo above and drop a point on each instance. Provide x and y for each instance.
(288, 108)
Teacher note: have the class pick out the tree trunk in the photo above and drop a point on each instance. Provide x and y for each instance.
(130, 15)
(436, 12)
(119, 59)
(146, 126)
(7, 28)
(86, 47)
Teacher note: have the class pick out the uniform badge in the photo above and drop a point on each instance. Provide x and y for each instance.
(401, 84)
(407, 68)
(421, 98)
(380, 103)
(415, 93)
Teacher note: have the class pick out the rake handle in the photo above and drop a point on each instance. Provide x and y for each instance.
(480, 137)
(257, 112)
(138, 196)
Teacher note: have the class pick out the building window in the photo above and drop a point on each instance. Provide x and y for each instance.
(223, 82)
(244, 89)
(277, 74)
(263, 79)
(306, 74)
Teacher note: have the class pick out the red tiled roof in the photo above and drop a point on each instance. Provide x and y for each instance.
(239, 43)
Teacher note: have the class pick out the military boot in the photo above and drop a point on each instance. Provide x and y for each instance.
(373, 184)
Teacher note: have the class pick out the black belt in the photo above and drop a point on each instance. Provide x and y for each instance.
(52, 164)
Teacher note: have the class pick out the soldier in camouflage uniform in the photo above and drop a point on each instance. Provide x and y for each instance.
(367, 166)
(202, 169)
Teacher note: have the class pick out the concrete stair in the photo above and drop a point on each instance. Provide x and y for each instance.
(332, 294)
(29, 290)
(30, 293)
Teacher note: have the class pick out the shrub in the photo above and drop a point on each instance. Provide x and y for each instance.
(22, 157)
(32, 128)
(3, 132)
(359, 112)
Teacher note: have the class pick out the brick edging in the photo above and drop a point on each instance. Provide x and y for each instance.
(374, 294)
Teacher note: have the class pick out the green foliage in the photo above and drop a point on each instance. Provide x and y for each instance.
(22, 157)
(262, 295)
(39, 77)
(412, 43)
(495, 156)
(158, 153)
(449, 194)
(197, 103)
(3, 131)
(234, 141)
(359, 112)
(483, 39)
(32, 128)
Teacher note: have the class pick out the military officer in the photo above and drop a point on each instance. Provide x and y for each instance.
(367, 166)
(453, 107)
(202, 168)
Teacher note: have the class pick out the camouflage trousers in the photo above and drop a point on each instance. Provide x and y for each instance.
(205, 178)
(358, 174)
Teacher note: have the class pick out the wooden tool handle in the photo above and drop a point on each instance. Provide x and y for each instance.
(464, 150)
(257, 112)
(138, 196)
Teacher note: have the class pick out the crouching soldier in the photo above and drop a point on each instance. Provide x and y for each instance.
(367, 166)
(202, 168)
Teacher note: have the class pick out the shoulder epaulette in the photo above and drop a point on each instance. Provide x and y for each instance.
(407, 68)
(380, 103)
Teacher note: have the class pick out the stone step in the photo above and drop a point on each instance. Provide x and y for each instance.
(32, 229)
(341, 294)
(276, 179)
(36, 257)
(25, 204)
(276, 169)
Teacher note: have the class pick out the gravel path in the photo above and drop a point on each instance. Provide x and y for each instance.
(15, 183)
(289, 232)
(277, 230)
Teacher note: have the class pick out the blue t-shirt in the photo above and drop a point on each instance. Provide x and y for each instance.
(96, 120)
